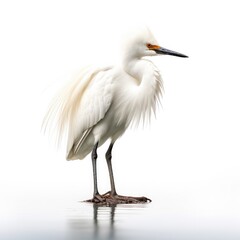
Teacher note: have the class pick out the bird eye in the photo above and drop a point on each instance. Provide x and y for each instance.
(148, 45)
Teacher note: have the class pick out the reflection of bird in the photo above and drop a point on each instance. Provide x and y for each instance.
(102, 103)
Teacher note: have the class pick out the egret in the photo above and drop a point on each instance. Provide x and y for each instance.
(103, 102)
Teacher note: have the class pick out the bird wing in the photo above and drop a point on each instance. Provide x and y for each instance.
(79, 106)
(94, 104)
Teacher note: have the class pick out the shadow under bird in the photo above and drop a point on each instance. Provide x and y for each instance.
(103, 102)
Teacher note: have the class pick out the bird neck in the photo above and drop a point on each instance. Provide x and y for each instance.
(132, 68)
(143, 71)
(148, 90)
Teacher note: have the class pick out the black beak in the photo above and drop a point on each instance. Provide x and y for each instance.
(165, 51)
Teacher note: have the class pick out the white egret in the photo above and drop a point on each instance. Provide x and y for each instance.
(102, 103)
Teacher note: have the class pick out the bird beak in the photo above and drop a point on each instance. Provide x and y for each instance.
(165, 51)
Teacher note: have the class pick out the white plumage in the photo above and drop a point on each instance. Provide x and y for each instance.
(102, 103)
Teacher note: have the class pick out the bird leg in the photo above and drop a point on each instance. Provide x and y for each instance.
(96, 195)
(110, 198)
(109, 163)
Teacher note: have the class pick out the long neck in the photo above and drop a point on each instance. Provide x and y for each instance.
(145, 74)
(148, 87)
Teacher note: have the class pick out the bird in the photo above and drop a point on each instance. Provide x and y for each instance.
(103, 102)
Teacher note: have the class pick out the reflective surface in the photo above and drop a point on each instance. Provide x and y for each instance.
(75, 220)
(115, 222)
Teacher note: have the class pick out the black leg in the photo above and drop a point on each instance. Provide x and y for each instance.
(94, 159)
(109, 163)
(110, 198)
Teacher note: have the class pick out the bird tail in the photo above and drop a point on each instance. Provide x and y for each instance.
(57, 121)
(73, 150)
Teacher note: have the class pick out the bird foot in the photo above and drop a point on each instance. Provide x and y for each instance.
(108, 199)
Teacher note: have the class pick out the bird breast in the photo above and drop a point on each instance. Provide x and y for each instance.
(136, 94)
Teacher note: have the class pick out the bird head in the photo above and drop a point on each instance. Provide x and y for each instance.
(142, 43)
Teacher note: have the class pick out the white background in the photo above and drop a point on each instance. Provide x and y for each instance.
(190, 155)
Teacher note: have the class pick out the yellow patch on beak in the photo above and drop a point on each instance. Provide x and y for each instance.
(152, 47)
